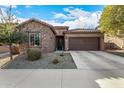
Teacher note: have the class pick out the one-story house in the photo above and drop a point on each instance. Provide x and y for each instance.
(50, 38)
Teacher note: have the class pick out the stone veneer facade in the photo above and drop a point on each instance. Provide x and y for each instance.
(118, 43)
(48, 40)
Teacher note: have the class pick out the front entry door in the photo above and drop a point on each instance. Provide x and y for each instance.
(60, 43)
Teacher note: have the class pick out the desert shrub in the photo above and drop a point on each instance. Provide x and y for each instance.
(61, 55)
(55, 61)
(1, 44)
(33, 54)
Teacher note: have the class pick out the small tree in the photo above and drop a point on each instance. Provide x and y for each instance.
(104, 20)
(8, 32)
(112, 20)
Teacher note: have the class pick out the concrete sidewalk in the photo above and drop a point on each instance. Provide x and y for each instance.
(4, 54)
(56, 78)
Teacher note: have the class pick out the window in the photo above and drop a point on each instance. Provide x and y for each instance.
(34, 39)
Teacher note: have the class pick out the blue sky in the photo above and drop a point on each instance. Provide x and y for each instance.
(75, 16)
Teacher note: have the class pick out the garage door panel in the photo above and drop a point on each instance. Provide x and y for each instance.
(83, 43)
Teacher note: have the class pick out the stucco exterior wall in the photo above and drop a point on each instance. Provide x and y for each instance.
(48, 41)
(60, 29)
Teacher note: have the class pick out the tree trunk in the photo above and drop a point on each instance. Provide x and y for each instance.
(10, 48)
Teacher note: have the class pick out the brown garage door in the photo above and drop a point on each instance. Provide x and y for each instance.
(84, 43)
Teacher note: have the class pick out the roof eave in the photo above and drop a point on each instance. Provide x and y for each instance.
(33, 19)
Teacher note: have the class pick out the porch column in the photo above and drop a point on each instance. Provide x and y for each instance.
(102, 43)
(66, 43)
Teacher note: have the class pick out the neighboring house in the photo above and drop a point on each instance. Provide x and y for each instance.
(50, 38)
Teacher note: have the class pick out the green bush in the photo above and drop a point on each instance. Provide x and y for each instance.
(33, 54)
(55, 61)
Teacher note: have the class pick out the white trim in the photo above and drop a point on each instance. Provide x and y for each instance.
(34, 37)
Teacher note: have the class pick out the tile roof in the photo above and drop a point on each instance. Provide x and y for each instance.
(33, 19)
(82, 31)
(60, 29)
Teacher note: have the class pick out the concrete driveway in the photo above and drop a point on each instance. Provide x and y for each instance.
(95, 69)
(97, 60)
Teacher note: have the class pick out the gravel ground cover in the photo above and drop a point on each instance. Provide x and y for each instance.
(45, 62)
